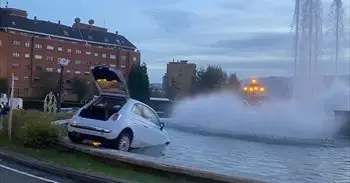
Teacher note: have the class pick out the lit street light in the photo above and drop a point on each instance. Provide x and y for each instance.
(253, 88)
(63, 63)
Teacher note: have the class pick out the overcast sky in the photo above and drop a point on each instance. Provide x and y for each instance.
(250, 37)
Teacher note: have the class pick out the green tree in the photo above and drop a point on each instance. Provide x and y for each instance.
(210, 79)
(4, 85)
(170, 86)
(80, 86)
(234, 82)
(138, 83)
(46, 82)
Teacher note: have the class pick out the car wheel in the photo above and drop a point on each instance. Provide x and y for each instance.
(75, 138)
(123, 142)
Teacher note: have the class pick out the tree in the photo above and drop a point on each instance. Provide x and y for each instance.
(81, 88)
(234, 82)
(138, 83)
(210, 79)
(4, 85)
(47, 82)
(170, 86)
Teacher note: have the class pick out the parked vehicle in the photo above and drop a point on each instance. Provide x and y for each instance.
(114, 119)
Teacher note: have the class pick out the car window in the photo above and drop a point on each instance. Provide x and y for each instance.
(137, 110)
(150, 115)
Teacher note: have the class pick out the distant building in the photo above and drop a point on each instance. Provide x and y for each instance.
(156, 90)
(29, 46)
(182, 74)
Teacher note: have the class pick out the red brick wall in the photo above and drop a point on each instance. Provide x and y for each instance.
(121, 58)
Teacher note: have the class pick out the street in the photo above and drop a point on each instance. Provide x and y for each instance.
(10, 172)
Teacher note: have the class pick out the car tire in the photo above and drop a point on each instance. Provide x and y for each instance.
(123, 142)
(75, 138)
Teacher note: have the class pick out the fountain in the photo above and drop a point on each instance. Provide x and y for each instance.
(309, 115)
(308, 34)
(338, 12)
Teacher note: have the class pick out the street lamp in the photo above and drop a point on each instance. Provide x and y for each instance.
(63, 63)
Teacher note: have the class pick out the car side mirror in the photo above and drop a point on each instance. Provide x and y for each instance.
(162, 125)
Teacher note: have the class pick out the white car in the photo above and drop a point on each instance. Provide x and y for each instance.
(114, 119)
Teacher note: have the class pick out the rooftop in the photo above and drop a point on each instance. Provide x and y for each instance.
(83, 33)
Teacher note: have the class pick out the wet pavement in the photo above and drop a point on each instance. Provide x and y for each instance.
(10, 172)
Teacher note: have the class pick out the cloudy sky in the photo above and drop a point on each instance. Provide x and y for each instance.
(249, 37)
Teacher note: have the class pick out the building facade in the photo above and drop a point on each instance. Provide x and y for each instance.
(181, 74)
(29, 46)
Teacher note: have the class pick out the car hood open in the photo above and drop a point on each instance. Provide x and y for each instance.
(109, 81)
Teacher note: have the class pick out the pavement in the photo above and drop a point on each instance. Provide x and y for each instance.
(10, 172)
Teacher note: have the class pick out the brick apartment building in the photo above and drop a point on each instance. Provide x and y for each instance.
(29, 46)
(183, 74)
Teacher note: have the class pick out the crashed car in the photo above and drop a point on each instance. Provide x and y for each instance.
(115, 120)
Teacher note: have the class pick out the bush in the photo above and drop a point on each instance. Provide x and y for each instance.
(34, 128)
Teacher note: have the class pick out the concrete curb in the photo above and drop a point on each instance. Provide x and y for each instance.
(57, 170)
(149, 163)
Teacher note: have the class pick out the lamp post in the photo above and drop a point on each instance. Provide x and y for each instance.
(63, 63)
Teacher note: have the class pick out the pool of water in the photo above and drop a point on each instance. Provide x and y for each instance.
(262, 160)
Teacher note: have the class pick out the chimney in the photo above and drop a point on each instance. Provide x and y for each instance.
(59, 22)
(34, 19)
(116, 32)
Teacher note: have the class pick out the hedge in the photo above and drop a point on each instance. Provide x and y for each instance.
(34, 128)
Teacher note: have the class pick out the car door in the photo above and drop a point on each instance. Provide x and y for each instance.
(142, 127)
(157, 136)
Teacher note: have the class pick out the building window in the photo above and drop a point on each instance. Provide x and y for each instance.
(26, 55)
(104, 55)
(16, 78)
(26, 90)
(88, 53)
(112, 65)
(78, 52)
(38, 46)
(25, 78)
(69, 50)
(68, 71)
(49, 58)
(96, 54)
(27, 44)
(112, 56)
(77, 72)
(36, 78)
(122, 66)
(38, 57)
(78, 62)
(15, 65)
(86, 73)
(49, 69)
(65, 33)
(58, 70)
(134, 59)
(48, 47)
(38, 68)
(16, 55)
(16, 43)
(60, 49)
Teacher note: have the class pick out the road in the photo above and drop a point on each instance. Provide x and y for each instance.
(10, 172)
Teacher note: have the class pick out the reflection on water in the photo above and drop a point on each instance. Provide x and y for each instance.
(269, 162)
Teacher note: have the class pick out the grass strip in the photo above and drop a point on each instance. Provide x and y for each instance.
(80, 161)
